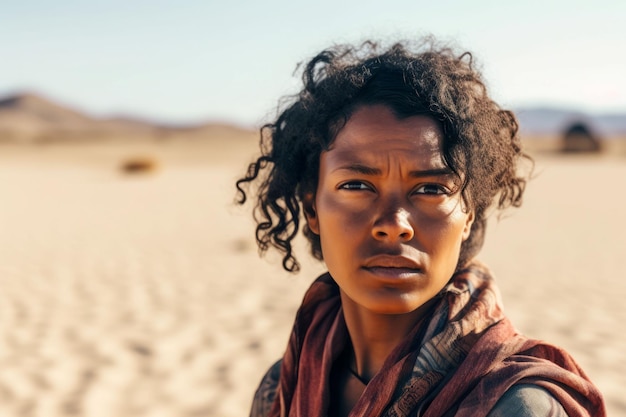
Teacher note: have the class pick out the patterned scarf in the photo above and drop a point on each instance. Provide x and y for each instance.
(459, 363)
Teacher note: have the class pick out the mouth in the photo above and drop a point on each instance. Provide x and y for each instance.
(394, 267)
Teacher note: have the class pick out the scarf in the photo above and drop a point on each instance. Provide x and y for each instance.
(458, 363)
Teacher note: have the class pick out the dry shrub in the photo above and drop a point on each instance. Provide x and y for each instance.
(579, 138)
(139, 165)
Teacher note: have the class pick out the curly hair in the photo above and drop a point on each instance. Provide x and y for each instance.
(481, 143)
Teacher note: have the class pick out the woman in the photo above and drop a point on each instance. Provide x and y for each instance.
(394, 158)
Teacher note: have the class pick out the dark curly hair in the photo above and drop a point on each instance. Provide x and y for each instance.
(481, 143)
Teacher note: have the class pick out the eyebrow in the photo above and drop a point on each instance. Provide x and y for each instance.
(367, 170)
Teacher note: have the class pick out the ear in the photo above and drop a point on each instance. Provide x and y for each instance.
(310, 212)
(468, 225)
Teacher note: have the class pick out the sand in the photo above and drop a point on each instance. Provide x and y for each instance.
(144, 295)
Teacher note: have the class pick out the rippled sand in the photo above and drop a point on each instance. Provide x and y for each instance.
(144, 296)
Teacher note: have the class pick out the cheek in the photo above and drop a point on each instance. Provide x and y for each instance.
(443, 229)
(343, 227)
(340, 217)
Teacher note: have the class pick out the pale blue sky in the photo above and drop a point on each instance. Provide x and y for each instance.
(188, 61)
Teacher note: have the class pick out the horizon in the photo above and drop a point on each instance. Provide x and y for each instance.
(231, 63)
(38, 108)
(208, 121)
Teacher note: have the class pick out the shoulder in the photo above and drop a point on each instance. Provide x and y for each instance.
(265, 393)
(526, 400)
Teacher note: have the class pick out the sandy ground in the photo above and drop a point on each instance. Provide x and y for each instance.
(144, 295)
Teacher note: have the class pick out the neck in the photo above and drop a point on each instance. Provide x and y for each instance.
(374, 336)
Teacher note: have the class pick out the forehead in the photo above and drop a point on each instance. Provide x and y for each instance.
(374, 132)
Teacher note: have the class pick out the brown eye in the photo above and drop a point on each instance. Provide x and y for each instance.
(355, 185)
(431, 189)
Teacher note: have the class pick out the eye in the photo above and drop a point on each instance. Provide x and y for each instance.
(354, 185)
(431, 189)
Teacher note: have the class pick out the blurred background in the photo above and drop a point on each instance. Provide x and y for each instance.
(130, 283)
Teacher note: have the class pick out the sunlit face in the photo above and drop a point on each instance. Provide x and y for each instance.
(388, 211)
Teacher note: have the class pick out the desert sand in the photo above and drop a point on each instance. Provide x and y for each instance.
(143, 295)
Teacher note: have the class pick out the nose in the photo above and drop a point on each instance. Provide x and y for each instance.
(393, 225)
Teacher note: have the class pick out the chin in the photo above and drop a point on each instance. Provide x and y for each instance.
(397, 307)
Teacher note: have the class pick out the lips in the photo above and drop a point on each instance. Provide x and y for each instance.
(395, 267)
(391, 261)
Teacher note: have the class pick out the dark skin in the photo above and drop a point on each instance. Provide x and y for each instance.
(391, 223)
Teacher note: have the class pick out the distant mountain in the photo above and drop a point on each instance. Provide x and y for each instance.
(29, 118)
(551, 121)
(36, 109)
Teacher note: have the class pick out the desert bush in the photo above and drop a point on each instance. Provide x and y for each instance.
(139, 165)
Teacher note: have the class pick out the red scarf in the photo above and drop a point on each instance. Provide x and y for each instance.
(458, 364)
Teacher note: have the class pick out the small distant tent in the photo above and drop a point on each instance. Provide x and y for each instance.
(579, 138)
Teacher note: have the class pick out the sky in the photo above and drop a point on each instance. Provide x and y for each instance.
(230, 61)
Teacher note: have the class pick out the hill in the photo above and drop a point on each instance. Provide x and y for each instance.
(554, 121)
(31, 118)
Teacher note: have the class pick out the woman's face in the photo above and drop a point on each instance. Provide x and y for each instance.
(388, 212)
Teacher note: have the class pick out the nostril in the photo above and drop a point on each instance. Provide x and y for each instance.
(393, 225)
